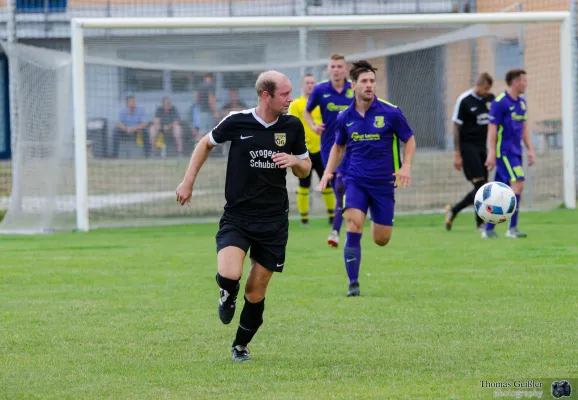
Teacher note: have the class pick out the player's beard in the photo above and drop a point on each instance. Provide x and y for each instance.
(368, 96)
(282, 110)
(338, 78)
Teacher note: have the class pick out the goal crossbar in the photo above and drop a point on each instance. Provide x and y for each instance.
(78, 25)
(320, 21)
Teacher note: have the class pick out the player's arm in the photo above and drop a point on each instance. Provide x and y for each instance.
(309, 119)
(300, 164)
(527, 139)
(303, 167)
(409, 151)
(458, 120)
(220, 134)
(312, 102)
(405, 133)
(492, 142)
(496, 118)
(335, 158)
(336, 154)
(198, 158)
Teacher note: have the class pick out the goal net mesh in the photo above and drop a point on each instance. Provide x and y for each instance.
(132, 175)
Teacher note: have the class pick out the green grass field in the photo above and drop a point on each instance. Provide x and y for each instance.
(132, 314)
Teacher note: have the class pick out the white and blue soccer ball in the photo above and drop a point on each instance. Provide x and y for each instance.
(495, 202)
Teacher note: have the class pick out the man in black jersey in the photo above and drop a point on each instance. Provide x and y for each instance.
(471, 117)
(265, 141)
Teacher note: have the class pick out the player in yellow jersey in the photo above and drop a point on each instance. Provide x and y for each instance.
(313, 141)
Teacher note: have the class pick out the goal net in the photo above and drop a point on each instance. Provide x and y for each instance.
(152, 92)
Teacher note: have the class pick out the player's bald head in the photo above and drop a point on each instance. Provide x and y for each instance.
(269, 81)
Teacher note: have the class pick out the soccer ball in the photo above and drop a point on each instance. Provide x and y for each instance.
(495, 202)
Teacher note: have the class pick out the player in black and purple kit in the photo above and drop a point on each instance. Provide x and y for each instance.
(332, 97)
(369, 130)
(508, 128)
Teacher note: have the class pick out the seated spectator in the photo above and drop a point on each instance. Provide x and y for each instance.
(206, 102)
(132, 125)
(234, 104)
(167, 121)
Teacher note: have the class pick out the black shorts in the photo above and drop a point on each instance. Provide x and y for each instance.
(473, 159)
(267, 240)
(317, 166)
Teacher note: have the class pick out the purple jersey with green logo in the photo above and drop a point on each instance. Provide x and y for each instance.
(330, 103)
(372, 144)
(509, 116)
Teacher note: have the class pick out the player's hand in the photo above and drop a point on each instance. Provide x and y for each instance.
(324, 181)
(531, 157)
(490, 161)
(284, 160)
(184, 193)
(319, 128)
(403, 176)
(458, 162)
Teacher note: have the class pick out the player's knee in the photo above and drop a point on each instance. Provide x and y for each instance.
(381, 240)
(254, 296)
(478, 183)
(353, 224)
(381, 234)
(517, 186)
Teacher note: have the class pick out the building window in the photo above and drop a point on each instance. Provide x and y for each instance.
(143, 80)
(40, 6)
(184, 81)
(508, 56)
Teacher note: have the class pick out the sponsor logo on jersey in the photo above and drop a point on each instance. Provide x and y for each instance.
(334, 107)
(262, 159)
(357, 137)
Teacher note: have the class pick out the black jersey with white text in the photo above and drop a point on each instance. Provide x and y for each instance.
(255, 187)
(472, 113)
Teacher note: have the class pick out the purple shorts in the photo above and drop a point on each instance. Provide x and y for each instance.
(380, 203)
(509, 168)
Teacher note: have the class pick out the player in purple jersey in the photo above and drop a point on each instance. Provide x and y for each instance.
(331, 97)
(508, 128)
(369, 130)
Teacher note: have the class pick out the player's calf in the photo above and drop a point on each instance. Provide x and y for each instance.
(352, 250)
(229, 289)
(252, 314)
(230, 260)
(249, 323)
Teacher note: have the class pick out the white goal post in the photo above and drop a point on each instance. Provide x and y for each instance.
(79, 25)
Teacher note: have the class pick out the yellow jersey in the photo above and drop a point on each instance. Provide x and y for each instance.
(312, 139)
